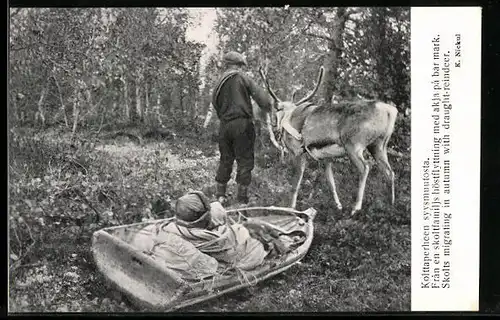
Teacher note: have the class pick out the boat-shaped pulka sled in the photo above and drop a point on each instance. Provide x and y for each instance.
(151, 285)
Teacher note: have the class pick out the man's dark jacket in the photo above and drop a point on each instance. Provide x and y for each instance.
(233, 99)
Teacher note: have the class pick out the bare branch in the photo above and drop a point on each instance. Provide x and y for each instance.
(63, 107)
(19, 48)
(353, 11)
(348, 14)
(16, 264)
(101, 124)
(291, 32)
(56, 64)
(15, 13)
(397, 154)
(308, 26)
(18, 241)
(310, 34)
(164, 19)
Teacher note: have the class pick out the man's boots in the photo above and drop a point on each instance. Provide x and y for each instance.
(242, 194)
(220, 193)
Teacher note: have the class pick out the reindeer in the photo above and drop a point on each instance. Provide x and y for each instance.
(334, 130)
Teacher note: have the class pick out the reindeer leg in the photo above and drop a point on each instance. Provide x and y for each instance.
(302, 168)
(380, 154)
(271, 133)
(393, 196)
(389, 171)
(356, 155)
(331, 181)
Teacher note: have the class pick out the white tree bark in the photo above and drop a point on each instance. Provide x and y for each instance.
(138, 106)
(41, 112)
(125, 98)
(76, 113)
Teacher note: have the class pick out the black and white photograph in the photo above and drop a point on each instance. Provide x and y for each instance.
(215, 159)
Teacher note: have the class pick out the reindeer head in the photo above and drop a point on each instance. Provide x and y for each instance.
(281, 107)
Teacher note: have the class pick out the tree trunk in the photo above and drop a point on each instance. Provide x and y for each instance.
(63, 106)
(181, 96)
(76, 113)
(195, 109)
(138, 106)
(103, 116)
(125, 98)
(169, 101)
(146, 98)
(332, 59)
(182, 119)
(193, 102)
(157, 108)
(381, 58)
(14, 109)
(88, 97)
(41, 112)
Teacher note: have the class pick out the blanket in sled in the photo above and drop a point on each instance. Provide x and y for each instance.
(162, 265)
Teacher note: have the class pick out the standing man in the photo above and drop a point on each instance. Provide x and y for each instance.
(231, 101)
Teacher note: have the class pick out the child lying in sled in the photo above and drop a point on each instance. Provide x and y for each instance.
(201, 238)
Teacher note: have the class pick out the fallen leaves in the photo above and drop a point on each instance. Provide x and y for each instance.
(149, 191)
(63, 308)
(64, 200)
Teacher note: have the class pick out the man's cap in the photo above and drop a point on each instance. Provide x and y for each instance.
(234, 57)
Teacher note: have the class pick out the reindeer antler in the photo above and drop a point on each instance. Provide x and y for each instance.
(294, 93)
(310, 95)
(275, 97)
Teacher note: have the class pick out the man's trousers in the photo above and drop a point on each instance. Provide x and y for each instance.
(236, 142)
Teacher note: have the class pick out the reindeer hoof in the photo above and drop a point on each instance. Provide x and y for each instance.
(339, 207)
(354, 211)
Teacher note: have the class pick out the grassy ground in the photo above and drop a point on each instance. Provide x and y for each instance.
(60, 195)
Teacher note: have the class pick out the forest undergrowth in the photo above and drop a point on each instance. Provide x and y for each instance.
(61, 192)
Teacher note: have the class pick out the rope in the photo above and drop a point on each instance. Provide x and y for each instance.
(243, 278)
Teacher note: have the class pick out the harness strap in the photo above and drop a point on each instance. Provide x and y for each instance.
(285, 125)
(222, 81)
(291, 130)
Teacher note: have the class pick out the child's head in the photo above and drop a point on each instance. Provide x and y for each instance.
(193, 210)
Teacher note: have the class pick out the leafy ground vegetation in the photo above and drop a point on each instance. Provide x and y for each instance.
(62, 192)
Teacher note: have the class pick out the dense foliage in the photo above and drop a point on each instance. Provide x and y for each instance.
(293, 43)
(102, 66)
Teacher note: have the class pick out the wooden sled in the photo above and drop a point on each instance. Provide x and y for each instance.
(152, 286)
